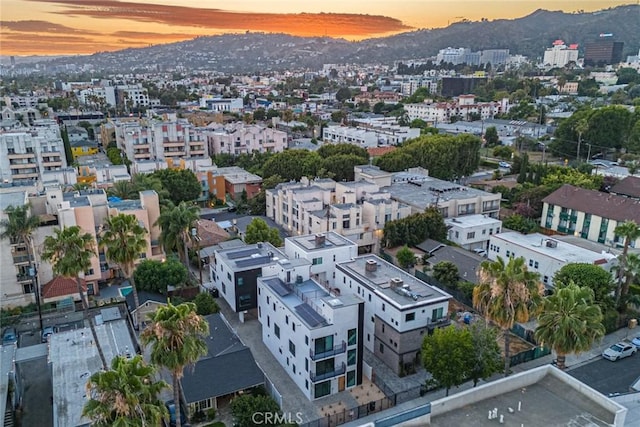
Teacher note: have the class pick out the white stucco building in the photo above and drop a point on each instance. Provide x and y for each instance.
(472, 231)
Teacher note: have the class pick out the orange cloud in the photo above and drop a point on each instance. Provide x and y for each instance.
(33, 26)
(304, 24)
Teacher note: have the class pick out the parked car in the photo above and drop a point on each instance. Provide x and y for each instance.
(171, 408)
(47, 332)
(480, 252)
(636, 341)
(10, 336)
(619, 351)
(504, 165)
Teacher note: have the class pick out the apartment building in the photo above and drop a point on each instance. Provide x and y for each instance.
(223, 105)
(24, 154)
(590, 214)
(560, 54)
(464, 108)
(324, 250)
(369, 136)
(472, 231)
(238, 180)
(399, 309)
(545, 255)
(315, 335)
(357, 210)
(240, 138)
(132, 96)
(235, 271)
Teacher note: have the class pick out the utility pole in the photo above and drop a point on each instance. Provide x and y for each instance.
(589, 153)
(194, 234)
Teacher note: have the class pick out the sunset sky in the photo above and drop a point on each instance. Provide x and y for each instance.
(30, 27)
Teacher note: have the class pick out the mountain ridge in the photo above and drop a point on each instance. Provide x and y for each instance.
(258, 52)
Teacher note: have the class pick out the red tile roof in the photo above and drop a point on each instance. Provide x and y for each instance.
(604, 205)
(379, 151)
(62, 286)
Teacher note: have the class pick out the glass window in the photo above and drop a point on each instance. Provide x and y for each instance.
(322, 389)
(352, 336)
(409, 317)
(276, 330)
(351, 378)
(292, 348)
(351, 357)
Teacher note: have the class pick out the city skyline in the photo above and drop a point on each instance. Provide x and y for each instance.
(55, 27)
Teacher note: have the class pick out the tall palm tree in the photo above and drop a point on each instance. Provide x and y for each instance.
(569, 322)
(506, 294)
(124, 240)
(125, 396)
(630, 231)
(176, 335)
(70, 252)
(18, 228)
(176, 224)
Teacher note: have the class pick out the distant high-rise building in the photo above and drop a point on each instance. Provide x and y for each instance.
(603, 51)
(560, 54)
(13, 61)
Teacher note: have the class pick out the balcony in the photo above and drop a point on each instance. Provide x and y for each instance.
(321, 377)
(173, 144)
(21, 165)
(174, 153)
(438, 323)
(21, 259)
(341, 348)
(20, 156)
(23, 278)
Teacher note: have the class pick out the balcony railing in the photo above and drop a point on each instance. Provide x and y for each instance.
(436, 323)
(338, 349)
(23, 277)
(321, 377)
(20, 259)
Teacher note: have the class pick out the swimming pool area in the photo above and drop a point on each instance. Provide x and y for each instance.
(125, 290)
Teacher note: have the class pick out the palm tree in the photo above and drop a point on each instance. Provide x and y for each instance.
(124, 240)
(506, 294)
(569, 322)
(176, 224)
(146, 181)
(630, 231)
(18, 228)
(125, 396)
(123, 190)
(70, 252)
(176, 336)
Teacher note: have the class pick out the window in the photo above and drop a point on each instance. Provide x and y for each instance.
(317, 261)
(381, 348)
(409, 317)
(351, 378)
(436, 313)
(322, 389)
(323, 345)
(351, 357)
(306, 384)
(352, 337)
(306, 364)
(294, 369)
(383, 327)
(224, 288)
(508, 253)
(292, 348)
(268, 322)
(530, 263)
(535, 264)
(276, 330)
(471, 235)
(293, 326)
(382, 307)
(286, 319)
(306, 340)
(240, 281)
(546, 279)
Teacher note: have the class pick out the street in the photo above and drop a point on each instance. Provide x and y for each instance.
(609, 377)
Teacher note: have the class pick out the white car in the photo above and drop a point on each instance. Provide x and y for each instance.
(619, 351)
(636, 341)
(504, 165)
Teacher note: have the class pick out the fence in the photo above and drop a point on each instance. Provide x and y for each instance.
(529, 355)
(385, 256)
(351, 414)
(273, 392)
(455, 293)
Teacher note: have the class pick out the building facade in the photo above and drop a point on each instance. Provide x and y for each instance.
(239, 138)
(472, 231)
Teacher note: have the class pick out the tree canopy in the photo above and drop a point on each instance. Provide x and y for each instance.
(182, 184)
(156, 276)
(415, 228)
(259, 231)
(591, 276)
(457, 345)
(445, 156)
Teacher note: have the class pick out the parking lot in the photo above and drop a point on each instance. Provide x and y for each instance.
(609, 377)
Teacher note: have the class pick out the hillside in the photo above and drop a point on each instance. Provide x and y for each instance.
(259, 52)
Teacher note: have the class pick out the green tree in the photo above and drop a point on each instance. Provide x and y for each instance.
(244, 408)
(343, 94)
(124, 240)
(176, 224)
(506, 294)
(182, 184)
(415, 228)
(157, 276)
(491, 136)
(147, 181)
(406, 258)
(259, 231)
(485, 359)
(18, 228)
(125, 396)
(176, 336)
(502, 152)
(205, 304)
(457, 345)
(70, 251)
(594, 277)
(123, 190)
(519, 223)
(630, 232)
(569, 322)
(446, 273)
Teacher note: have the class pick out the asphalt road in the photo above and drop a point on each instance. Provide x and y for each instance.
(609, 377)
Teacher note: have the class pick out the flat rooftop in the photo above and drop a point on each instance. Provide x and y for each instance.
(471, 221)
(250, 257)
(308, 295)
(562, 251)
(236, 175)
(310, 243)
(379, 281)
(15, 198)
(74, 358)
(421, 191)
(548, 402)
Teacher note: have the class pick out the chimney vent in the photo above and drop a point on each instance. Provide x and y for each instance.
(320, 240)
(396, 282)
(371, 265)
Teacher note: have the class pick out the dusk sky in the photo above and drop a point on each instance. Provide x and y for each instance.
(36, 27)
